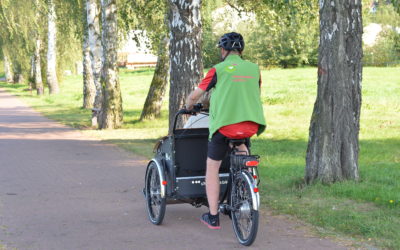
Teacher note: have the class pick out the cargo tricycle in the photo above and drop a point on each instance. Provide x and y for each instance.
(176, 174)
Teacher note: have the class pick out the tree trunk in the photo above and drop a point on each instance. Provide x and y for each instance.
(52, 80)
(8, 68)
(96, 53)
(152, 105)
(32, 74)
(19, 78)
(332, 153)
(38, 69)
(185, 53)
(89, 89)
(111, 112)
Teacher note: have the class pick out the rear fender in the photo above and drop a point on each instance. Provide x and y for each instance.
(161, 172)
(253, 184)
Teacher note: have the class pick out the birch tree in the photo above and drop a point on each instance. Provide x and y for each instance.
(332, 153)
(51, 73)
(111, 110)
(186, 67)
(89, 89)
(37, 73)
(8, 67)
(96, 53)
(37, 67)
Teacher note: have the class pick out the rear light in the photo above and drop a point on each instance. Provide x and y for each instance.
(255, 177)
(164, 183)
(251, 163)
(255, 190)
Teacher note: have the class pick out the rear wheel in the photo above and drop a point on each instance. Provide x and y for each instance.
(154, 202)
(244, 217)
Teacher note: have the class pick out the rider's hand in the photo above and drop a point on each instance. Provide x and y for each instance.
(188, 107)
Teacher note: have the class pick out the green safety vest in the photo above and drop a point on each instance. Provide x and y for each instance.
(236, 96)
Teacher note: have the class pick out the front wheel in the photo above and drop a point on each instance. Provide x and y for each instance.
(155, 204)
(244, 217)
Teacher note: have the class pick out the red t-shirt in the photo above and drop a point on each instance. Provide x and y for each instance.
(235, 131)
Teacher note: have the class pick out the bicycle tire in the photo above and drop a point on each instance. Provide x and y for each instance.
(244, 216)
(155, 204)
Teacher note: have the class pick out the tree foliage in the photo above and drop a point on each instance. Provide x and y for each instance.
(386, 49)
(146, 16)
(281, 33)
(22, 21)
(18, 26)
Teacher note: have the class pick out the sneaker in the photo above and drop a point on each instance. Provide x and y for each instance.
(211, 221)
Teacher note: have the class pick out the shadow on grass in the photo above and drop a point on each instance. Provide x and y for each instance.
(12, 85)
(75, 117)
(133, 116)
(143, 147)
(132, 120)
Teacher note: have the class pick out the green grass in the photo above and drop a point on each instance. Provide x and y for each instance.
(368, 210)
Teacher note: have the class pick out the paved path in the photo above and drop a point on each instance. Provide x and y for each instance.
(62, 190)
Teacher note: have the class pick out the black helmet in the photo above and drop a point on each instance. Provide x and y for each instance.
(231, 41)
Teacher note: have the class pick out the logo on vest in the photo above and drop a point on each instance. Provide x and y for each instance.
(230, 68)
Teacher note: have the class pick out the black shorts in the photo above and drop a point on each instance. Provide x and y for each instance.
(218, 147)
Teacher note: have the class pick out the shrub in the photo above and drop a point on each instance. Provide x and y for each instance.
(386, 51)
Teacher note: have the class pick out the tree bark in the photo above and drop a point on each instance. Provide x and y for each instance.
(333, 146)
(185, 52)
(52, 80)
(38, 69)
(32, 74)
(89, 89)
(111, 112)
(19, 78)
(152, 105)
(96, 53)
(8, 68)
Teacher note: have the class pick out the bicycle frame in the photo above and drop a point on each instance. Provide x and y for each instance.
(234, 171)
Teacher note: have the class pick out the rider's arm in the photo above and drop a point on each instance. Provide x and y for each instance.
(206, 84)
(193, 98)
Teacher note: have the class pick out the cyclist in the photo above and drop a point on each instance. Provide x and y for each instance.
(236, 111)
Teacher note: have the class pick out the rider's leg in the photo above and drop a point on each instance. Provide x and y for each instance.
(212, 184)
(217, 149)
(212, 180)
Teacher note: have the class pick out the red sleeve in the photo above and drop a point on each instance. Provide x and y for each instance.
(207, 80)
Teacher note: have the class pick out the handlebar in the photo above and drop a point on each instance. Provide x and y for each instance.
(197, 108)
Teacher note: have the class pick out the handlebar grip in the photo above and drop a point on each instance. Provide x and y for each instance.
(184, 111)
(197, 108)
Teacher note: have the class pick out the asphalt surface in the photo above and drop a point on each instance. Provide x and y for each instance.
(60, 189)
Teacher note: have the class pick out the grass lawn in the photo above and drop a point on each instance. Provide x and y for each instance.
(368, 210)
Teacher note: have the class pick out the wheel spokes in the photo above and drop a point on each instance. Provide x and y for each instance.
(242, 205)
(154, 192)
